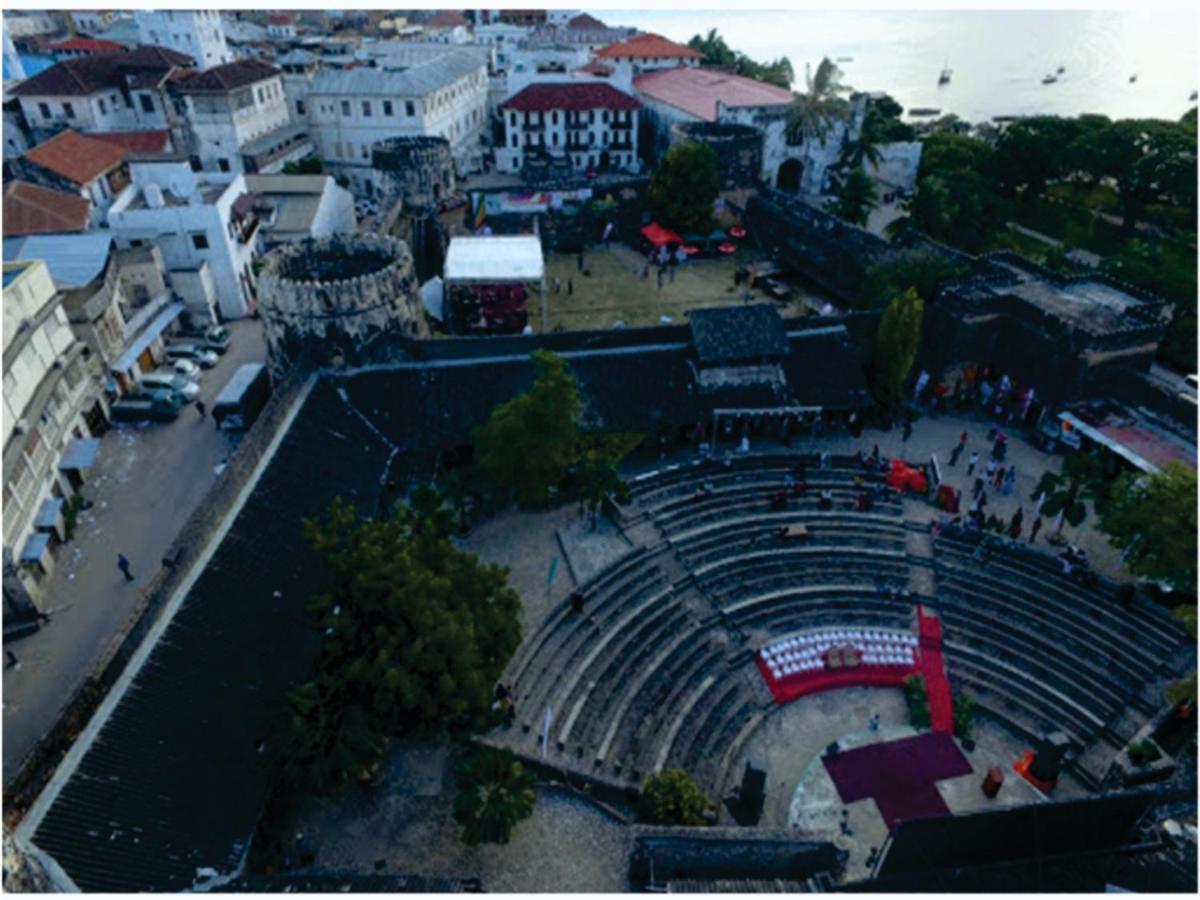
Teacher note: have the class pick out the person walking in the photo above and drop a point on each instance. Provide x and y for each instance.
(972, 463)
(955, 454)
(907, 429)
(200, 408)
(990, 470)
(975, 491)
(579, 260)
(123, 565)
(10, 660)
(1010, 480)
(999, 479)
(1033, 532)
(962, 440)
(570, 288)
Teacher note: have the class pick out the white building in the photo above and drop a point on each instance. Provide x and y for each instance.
(239, 119)
(80, 165)
(294, 207)
(194, 222)
(590, 125)
(281, 27)
(646, 52)
(503, 40)
(13, 67)
(52, 406)
(198, 33)
(92, 21)
(445, 96)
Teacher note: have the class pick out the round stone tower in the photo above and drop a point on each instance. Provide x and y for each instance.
(337, 300)
(417, 170)
(739, 149)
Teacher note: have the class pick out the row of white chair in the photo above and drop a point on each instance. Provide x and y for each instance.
(780, 669)
(838, 638)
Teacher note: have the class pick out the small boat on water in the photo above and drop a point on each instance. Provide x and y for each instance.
(1061, 69)
(1133, 78)
(923, 111)
(944, 77)
(1050, 79)
(845, 59)
(1192, 96)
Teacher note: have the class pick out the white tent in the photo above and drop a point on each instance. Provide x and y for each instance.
(499, 259)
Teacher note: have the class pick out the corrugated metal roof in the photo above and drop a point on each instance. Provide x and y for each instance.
(73, 259)
(421, 79)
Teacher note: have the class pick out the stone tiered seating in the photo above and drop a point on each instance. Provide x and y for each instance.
(839, 529)
(734, 577)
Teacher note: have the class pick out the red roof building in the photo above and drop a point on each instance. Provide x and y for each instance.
(77, 158)
(226, 78)
(33, 209)
(583, 96)
(136, 141)
(698, 92)
(84, 46)
(651, 49)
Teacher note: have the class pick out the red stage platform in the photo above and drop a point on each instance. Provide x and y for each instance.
(861, 657)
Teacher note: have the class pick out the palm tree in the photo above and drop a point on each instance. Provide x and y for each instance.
(856, 198)
(864, 148)
(495, 793)
(814, 112)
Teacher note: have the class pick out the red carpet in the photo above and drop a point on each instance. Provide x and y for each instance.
(931, 665)
(900, 776)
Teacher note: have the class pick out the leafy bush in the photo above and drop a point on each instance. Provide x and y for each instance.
(672, 798)
(917, 699)
(1143, 752)
(964, 715)
(495, 792)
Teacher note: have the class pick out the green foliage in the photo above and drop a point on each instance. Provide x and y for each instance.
(964, 715)
(718, 55)
(856, 198)
(917, 699)
(884, 123)
(896, 344)
(922, 271)
(311, 165)
(495, 793)
(1032, 152)
(71, 510)
(1143, 752)
(814, 112)
(415, 636)
(672, 798)
(527, 445)
(683, 187)
(954, 201)
(1152, 519)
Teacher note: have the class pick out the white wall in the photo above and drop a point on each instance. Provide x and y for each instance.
(223, 124)
(199, 34)
(335, 212)
(552, 136)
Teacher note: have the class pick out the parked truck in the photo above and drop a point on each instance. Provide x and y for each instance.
(242, 398)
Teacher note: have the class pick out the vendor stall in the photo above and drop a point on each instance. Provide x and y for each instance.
(487, 281)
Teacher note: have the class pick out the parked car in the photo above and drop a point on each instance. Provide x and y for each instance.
(171, 379)
(204, 358)
(215, 338)
(156, 404)
(186, 368)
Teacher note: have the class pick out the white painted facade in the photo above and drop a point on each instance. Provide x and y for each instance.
(192, 222)
(223, 124)
(198, 33)
(588, 138)
(92, 21)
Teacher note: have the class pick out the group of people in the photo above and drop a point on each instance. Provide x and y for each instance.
(666, 259)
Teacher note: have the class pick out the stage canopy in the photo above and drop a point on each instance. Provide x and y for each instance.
(495, 259)
(657, 235)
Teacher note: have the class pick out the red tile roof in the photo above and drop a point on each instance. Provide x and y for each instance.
(696, 91)
(153, 56)
(77, 157)
(92, 45)
(585, 95)
(595, 67)
(584, 22)
(135, 141)
(279, 19)
(228, 77)
(105, 71)
(651, 46)
(33, 209)
(445, 19)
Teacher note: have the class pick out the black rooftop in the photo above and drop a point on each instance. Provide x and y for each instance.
(738, 333)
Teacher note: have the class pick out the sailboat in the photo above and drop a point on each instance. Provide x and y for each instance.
(1133, 78)
(944, 77)
(1050, 79)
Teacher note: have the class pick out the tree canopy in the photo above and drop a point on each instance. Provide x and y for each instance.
(495, 792)
(719, 55)
(896, 344)
(683, 187)
(814, 112)
(528, 444)
(955, 202)
(921, 270)
(855, 198)
(1145, 158)
(672, 798)
(1152, 519)
(415, 634)
(1032, 152)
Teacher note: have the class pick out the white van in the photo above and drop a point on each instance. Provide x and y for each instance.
(187, 389)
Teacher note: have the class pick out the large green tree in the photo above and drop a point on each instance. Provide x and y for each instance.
(528, 444)
(1146, 158)
(719, 55)
(1152, 519)
(415, 634)
(855, 198)
(1033, 152)
(896, 344)
(672, 798)
(921, 270)
(955, 200)
(814, 112)
(495, 792)
(683, 187)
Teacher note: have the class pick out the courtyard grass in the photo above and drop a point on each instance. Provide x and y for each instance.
(614, 291)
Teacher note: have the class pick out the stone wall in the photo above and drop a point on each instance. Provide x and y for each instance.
(344, 299)
(418, 171)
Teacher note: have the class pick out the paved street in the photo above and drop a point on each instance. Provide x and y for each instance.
(146, 481)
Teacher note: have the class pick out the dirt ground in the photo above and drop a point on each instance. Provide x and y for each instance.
(611, 290)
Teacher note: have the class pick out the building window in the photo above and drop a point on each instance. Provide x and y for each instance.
(200, 241)
(223, 164)
(555, 133)
(299, 107)
(345, 107)
(366, 108)
(103, 107)
(387, 107)
(147, 103)
(554, 117)
(514, 140)
(365, 153)
(44, 109)
(409, 108)
(604, 117)
(69, 110)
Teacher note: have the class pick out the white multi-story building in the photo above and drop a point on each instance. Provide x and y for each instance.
(13, 67)
(646, 52)
(280, 26)
(295, 207)
(84, 166)
(593, 125)
(239, 120)
(195, 222)
(198, 33)
(52, 404)
(445, 95)
(92, 21)
(503, 40)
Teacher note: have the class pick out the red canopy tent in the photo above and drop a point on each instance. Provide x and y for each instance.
(947, 498)
(904, 477)
(658, 236)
